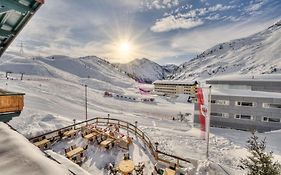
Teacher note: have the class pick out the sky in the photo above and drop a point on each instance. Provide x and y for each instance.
(165, 31)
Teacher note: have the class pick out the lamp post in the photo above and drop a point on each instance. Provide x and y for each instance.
(156, 145)
(86, 103)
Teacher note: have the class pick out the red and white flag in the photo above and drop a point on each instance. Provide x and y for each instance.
(203, 102)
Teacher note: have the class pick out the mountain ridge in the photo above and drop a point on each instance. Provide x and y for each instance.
(256, 54)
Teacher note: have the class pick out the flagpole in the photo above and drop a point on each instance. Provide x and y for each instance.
(208, 121)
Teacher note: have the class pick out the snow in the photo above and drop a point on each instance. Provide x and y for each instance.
(66, 163)
(54, 99)
(245, 93)
(174, 82)
(256, 78)
(19, 156)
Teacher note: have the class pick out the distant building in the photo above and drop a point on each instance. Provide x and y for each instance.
(173, 87)
(245, 104)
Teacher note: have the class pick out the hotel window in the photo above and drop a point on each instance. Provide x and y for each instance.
(220, 102)
(243, 103)
(269, 105)
(270, 119)
(222, 115)
(245, 117)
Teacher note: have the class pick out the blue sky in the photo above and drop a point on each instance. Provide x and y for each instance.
(166, 31)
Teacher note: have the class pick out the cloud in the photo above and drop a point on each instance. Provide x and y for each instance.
(171, 23)
(203, 11)
(255, 6)
(213, 17)
(159, 4)
(220, 7)
(187, 20)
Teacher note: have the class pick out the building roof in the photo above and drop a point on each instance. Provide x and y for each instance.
(8, 93)
(245, 93)
(14, 15)
(19, 156)
(246, 78)
(174, 82)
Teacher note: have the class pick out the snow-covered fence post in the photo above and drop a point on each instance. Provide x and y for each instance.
(74, 121)
(156, 150)
(21, 78)
(108, 115)
(178, 163)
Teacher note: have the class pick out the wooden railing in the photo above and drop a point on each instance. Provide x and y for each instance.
(130, 128)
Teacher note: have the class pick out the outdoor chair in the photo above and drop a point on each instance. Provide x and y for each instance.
(73, 147)
(172, 166)
(126, 156)
(85, 147)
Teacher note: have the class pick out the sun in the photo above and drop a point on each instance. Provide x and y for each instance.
(124, 49)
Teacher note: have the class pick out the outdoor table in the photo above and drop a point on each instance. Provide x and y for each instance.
(70, 133)
(126, 166)
(73, 152)
(169, 171)
(106, 142)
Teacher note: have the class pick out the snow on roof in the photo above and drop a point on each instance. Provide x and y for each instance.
(174, 82)
(245, 78)
(4, 93)
(19, 156)
(245, 93)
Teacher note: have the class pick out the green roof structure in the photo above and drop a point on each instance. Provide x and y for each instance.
(14, 15)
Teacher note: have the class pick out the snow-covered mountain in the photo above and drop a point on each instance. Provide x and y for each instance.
(145, 70)
(94, 70)
(257, 54)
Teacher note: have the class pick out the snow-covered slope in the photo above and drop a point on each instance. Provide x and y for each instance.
(257, 54)
(92, 69)
(145, 70)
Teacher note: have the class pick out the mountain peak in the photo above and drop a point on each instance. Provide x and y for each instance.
(255, 54)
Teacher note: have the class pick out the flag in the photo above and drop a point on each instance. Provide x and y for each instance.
(202, 95)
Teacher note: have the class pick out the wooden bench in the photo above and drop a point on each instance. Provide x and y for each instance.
(91, 136)
(70, 133)
(43, 144)
(108, 143)
(74, 152)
